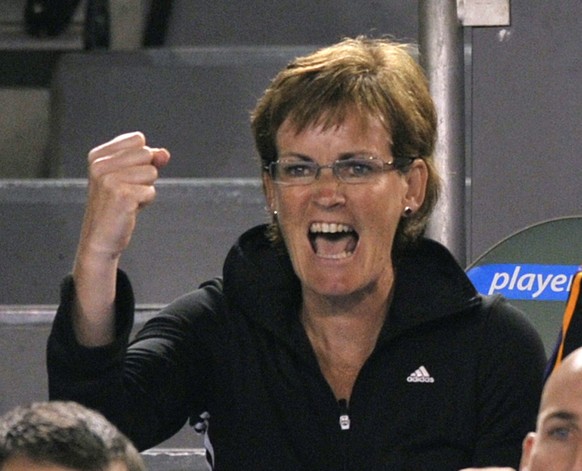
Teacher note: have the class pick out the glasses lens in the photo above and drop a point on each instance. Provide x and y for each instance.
(294, 173)
(353, 170)
(358, 170)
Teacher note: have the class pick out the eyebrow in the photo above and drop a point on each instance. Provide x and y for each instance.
(296, 155)
(344, 156)
(562, 415)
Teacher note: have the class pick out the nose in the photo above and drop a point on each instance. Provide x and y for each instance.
(329, 167)
(327, 188)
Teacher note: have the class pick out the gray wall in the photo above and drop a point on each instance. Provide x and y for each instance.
(180, 241)
(287, 22)
(526, 121)
(195, 102)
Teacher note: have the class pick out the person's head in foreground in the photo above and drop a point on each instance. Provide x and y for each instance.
(556, 445)
(63, 436)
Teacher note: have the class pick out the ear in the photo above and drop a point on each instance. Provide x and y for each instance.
(416, 177)
(526, 451)
(269, 191)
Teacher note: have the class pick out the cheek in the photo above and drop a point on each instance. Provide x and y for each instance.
(383, 212)
(389, 197)
(290, 203)
(553, 455)
(290, 219)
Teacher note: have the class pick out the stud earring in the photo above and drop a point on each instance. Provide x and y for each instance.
(407, 211)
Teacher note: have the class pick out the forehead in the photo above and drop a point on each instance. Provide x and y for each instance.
(563, 393)
(353, 128)
(117, 466)
(23, 463)
(334, 118)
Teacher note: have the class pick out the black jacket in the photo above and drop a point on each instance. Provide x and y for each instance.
(453, 382)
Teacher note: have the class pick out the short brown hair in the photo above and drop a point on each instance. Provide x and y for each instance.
(378, 78)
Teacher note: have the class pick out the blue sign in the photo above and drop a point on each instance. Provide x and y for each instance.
(524, 281)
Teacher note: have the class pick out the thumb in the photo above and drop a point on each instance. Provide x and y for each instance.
(160, 157)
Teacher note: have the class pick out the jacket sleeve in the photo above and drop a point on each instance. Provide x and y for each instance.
(510, 384)
(144, 387)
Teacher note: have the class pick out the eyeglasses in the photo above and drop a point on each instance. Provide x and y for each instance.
(352, 170)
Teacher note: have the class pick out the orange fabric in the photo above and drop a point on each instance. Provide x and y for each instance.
(568, 313)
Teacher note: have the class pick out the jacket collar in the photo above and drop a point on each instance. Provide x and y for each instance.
(260, 281)
(429, 286)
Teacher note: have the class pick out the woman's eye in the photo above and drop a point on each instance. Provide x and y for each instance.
(297, 170)
(358, 169)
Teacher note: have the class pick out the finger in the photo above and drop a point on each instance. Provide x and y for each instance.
(160, 157)
(135, 175)
(148, 195)
(121, 159)
(133, 156)
(121, 142)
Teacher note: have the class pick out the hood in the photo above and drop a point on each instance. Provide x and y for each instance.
(429, 285)
(259, 280)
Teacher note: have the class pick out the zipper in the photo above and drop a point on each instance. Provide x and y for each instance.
(344, 418)
(344, 433)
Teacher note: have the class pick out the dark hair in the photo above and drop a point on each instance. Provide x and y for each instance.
(378, 78)
(65, 434)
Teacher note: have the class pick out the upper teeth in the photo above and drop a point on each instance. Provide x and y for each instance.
(329, 227)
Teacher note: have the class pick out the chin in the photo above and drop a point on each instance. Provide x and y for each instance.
(332, 288)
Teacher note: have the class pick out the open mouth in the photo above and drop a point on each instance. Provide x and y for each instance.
(333, 240)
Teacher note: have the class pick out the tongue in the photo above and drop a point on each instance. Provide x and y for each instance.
(330, 246)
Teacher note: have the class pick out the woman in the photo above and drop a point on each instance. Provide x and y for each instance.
(338, 337)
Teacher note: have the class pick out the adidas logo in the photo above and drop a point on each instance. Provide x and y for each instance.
(421, 375)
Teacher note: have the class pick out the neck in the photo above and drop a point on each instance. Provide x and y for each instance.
(367, 305)
(349, 323)
(343, 335)
(354, 320)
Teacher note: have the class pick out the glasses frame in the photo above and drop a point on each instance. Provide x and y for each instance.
(396, 164)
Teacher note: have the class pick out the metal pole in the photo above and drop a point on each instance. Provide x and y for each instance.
(127, 18)
(442, 55)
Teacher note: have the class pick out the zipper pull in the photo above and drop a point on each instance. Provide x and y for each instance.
(344, 418)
